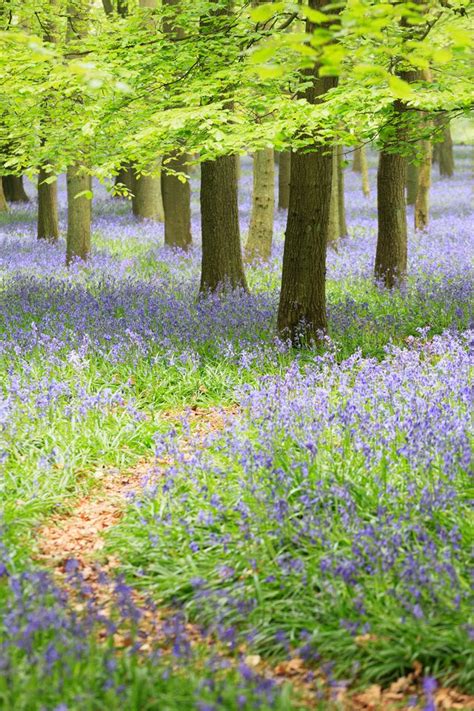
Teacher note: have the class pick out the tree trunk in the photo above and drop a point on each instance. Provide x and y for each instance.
(357, 160)
(435, 158)
(423, 191)
(302, 304)
(79, 214)
(364, 169)
(341, 193)
(259, 242)
(446, 157)
(14, 189)
(412, 182)
(147, 201)
(284, 180)
(3, 200)
(333, 224)
(221, 252)
(176, 194)
(391, 255)
(124, 177)
(176, 204)
(48, 223)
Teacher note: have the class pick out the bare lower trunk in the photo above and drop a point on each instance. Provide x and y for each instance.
(357, 160)
(176, 203)
(284, 180)
(303, 286)
(412, 182)
(259, 243)
(78, 215)
(14, 189)
(391, 255)
(341, 193)
(3, 200)
(423, 192)
(446, 157)
(364, 169)
(221, 251)
(333, 225)
(147, 202)
(48, 222)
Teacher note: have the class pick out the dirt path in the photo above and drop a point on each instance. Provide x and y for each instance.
(79, 535)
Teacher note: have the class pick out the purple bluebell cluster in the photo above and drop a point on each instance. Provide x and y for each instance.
(334, 507)
(76, 645)
(330, 520)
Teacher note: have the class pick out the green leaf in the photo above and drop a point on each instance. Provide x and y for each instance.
(400, 88)
(84, 193)
(263, 13)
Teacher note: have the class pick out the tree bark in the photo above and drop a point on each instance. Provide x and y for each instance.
(392, 248)
(147, 202)
(177, 204)
(259, 242)
(412, 182)
(3, 200)
(333, 224)
(391, 254)
(302, 307)
(341, 193)
(446, 156)
(47, 216)
(222, 264)
(14, 189)
(176, 194)
(48, 222)
(364, 169)
(124, 177)
(284, 180)
(78, 238)
(79, 214)
(423, 191)
(357, 160)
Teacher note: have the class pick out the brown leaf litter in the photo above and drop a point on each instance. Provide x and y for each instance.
(79, 535)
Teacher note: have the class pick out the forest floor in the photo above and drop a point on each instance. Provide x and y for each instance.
(197, 517)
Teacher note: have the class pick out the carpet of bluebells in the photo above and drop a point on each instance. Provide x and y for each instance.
(330, 520)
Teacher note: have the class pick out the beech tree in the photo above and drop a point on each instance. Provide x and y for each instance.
(175, 188)
(303, 284)
(78, 180)
(259, 241)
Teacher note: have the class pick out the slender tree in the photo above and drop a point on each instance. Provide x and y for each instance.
(365, 171)
(3, 200)
(412, 182)
(303, 285)
(259, 242)
(334, 231)
(446, 155)
(48, 221)
(357, 160)
(147, 202)
(176, 192)
(423, 187)
(47, 217)
(343, 231)
(78, 181)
